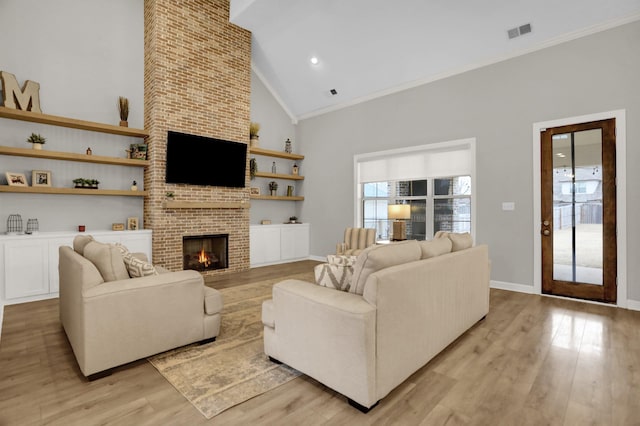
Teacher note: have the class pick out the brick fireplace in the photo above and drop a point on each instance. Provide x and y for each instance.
(197, 81)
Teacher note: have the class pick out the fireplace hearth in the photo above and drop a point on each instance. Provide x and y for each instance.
(205, 252)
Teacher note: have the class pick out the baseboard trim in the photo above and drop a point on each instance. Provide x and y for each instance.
(1, 317)
(318, 258)
(633, 305)
(520, 288)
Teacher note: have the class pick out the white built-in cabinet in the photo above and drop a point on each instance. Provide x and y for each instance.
(29, 263)
(271, 244)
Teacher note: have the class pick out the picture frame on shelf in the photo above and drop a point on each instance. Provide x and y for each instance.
(40, 178)
(254, 190)
(16, 179)
(132, 224)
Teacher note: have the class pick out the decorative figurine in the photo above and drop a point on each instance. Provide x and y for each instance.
(89, 152)
(273, 167)
(134, 186)
(287, 146)
(294, 169)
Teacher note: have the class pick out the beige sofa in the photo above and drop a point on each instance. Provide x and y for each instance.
(406, 302)
(111, 319)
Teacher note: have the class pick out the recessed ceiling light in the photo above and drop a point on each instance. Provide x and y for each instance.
(314, 60)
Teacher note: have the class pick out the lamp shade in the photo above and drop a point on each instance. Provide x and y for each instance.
(399, 211)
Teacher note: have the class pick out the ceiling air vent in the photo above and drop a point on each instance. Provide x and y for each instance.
(518, 31)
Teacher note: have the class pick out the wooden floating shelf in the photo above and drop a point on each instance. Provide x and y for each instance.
(277, 154)
(279, 176)
(72, 123)
(70, 191)
(69, 156)
(276, 197)
(205, 205)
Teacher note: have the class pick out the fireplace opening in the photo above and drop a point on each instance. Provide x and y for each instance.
(205, 252)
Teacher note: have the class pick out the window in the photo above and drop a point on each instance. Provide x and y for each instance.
(436, 180)
(446, 207)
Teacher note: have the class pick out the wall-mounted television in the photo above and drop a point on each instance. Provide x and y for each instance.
(199, 160)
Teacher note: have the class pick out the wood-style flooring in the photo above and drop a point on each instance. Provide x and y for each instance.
(533, 361)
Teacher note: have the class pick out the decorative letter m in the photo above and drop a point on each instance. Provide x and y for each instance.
(27, 98)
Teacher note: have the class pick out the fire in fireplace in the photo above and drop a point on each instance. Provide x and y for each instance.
(205, 252)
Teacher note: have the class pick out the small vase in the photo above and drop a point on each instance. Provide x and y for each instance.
(124, 123)
(37, 145)
(254, 141)
(273, 192)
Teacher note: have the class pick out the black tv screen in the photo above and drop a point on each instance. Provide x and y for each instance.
(199, 160)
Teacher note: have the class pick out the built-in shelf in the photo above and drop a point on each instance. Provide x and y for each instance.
(70, 191)
(69, 156)
(72, 123)
(276, 197)
(277, 154)
(279, 176)
(205, 205)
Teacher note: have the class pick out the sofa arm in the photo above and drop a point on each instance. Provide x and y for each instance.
(328, 335)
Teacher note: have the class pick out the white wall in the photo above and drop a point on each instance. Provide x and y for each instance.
(497, 105)
(84, 54)
(275, 128)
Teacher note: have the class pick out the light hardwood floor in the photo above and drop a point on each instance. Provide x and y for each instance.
(533, 360)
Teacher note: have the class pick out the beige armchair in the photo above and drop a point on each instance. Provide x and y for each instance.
(112, 319)
(356, 240)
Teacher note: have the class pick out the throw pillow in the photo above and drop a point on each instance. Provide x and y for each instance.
(136, 267)
(334, 276)
(435, 247)
(378, 257)
(108, 259)
(80, 241)
(341, 260)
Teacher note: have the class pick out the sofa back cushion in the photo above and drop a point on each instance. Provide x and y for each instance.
(107, 259)
(379, 257)
(435, 247)
(79, 243)
(459, 241)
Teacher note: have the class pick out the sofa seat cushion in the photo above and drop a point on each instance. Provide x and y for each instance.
(212, 301)
(379, 257)
(108, 260)
(435, 247)
(268, 316)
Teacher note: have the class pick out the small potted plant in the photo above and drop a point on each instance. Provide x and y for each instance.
(78, 182)
(93, 183)
(254, 128)
(293, 219)
(169, 195)
(123, 109)
(273, 187)
(36, 140)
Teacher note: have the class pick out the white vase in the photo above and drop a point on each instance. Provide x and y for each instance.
(37, 145)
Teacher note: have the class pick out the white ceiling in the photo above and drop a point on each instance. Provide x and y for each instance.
(369, 48)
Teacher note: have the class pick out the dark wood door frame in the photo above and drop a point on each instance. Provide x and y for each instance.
(608, 291)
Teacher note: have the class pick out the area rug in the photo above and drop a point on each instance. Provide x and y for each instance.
(234, 368)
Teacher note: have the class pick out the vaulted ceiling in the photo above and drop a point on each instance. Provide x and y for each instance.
(368, 48)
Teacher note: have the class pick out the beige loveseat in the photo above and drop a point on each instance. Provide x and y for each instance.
(406, 302)
(111, 319)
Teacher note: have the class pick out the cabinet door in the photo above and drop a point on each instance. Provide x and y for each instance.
(53, 246)
(26, 268)
(137, 243)
(264, 245)
(294, 242)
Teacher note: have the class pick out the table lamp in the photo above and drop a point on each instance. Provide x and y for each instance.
(399, 212)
